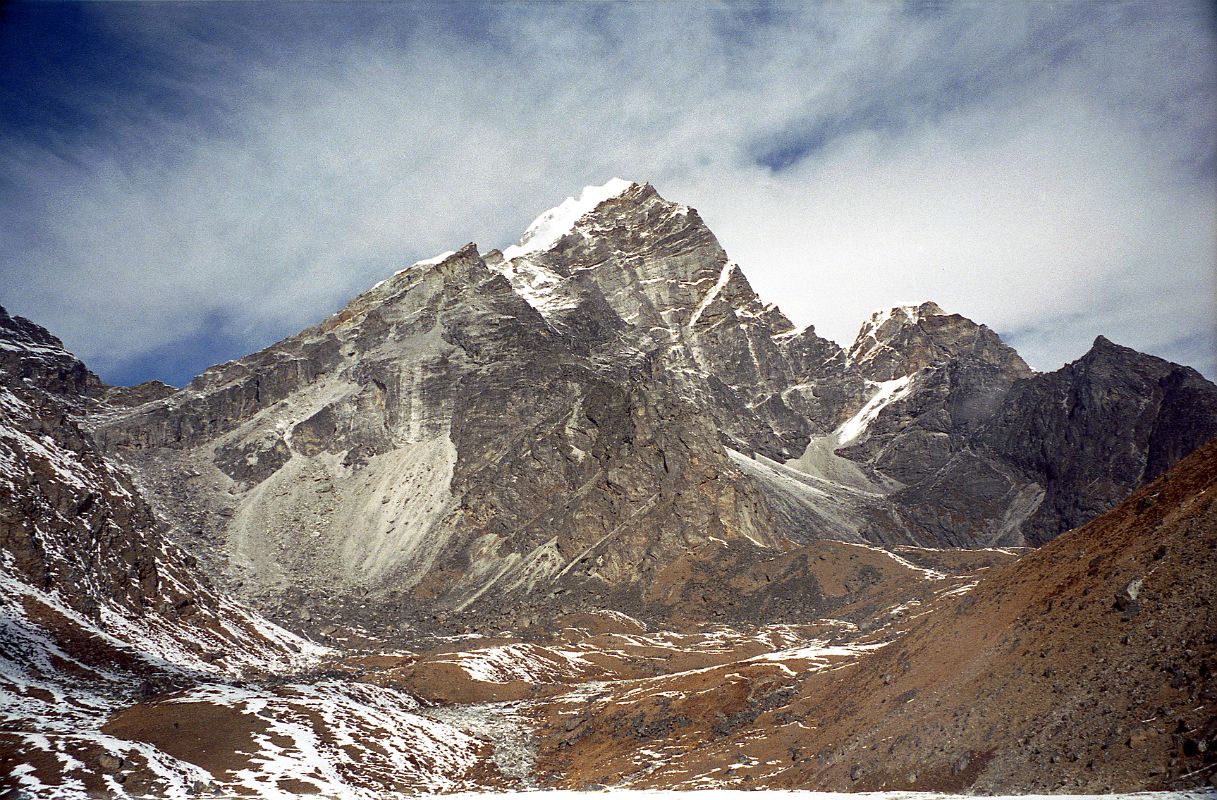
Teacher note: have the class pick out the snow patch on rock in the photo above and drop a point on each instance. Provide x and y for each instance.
(886, 393)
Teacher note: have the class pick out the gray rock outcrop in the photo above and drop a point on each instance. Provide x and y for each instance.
(1097, 428)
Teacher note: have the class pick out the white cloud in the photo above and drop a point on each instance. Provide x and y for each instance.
(1041, 169)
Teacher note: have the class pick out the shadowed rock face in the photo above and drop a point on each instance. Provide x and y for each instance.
(69, 521)
(988, 453)
(86, 571)
(1096, 429)
(556, 422)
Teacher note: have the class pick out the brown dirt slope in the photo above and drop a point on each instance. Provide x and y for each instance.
(1086, 665)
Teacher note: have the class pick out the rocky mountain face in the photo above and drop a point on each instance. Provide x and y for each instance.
(1113, 419)
(436, 445)
(71, 524)
(586, 510)
(1024, 459)
(557, 421)
(638, 262)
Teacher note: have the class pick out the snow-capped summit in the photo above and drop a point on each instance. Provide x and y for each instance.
(555, 223)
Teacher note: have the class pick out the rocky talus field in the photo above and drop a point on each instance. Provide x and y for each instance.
(586, 512)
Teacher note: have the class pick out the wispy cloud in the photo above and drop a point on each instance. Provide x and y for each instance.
(1046, 169)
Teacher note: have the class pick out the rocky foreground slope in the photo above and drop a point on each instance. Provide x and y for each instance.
(587, 511)
(1084, 666)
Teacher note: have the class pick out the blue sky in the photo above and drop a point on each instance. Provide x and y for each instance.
(184, 183)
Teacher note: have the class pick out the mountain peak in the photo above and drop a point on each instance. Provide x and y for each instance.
(1105, 354)
(901, 340)
(555, 223)
(1102, 343)
(30, 351)
(1107, 350)
(885, 325)
(21, 330)
(904, 314)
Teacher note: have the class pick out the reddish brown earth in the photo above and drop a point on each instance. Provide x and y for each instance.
(220, 739)
(536, 666)
(1046, 676)
(861, 586)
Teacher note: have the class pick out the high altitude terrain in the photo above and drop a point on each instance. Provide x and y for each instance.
(587, 510)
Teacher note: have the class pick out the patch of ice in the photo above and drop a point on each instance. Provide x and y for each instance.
(517, 662)
(931, 574)
(790, 334)
(962, 589)
(537, 284)
(442, 257)
(35, 349)
(821, 654)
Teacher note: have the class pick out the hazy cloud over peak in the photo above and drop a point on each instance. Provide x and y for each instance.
(184, 183)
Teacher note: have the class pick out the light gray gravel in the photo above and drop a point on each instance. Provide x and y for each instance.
(515, 747)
